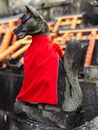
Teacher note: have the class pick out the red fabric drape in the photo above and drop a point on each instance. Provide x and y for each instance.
(41, 61)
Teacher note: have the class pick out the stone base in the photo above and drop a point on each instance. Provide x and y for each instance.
(15, 122)
(53, 117)
(69, 120)
(9, 87)
(92, 125)
(49, 115)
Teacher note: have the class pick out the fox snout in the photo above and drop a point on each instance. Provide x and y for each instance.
(20, 32)
(17, 29)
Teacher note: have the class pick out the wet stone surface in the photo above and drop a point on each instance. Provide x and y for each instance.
(14, 122)
(85, 120)
(92, 125)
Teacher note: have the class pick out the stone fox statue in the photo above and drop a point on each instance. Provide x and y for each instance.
(50, 83)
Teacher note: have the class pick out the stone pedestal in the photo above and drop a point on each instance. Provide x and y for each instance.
(9, 87)
(57, 120)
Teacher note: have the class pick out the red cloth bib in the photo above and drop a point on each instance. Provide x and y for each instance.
(41, 61)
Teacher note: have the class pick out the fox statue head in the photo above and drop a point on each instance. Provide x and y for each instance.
(32, 23)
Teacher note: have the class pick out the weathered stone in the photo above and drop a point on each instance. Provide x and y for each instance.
(73, 92)
(92, 125)
(91, 72)
(90, 107)
(9, 87)
(90, 100)
(49, 108)
(62, 119)
(14, 122)
(91, 9)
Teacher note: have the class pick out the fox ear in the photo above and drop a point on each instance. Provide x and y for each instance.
(32, 10)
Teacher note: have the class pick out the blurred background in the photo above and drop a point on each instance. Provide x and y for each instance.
(48, 8)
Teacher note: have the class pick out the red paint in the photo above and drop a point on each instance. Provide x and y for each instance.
(41, 62)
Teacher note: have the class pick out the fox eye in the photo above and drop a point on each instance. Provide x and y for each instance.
(22, 16)
(25, 18)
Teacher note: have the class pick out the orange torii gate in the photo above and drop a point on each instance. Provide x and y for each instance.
(6, 28)
(65, 22)
(7, 25)
(16, 49)
(87, 34)
(71, 21)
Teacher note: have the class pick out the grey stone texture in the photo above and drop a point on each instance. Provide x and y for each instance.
(92, 125)
(63, 119)
(91, 72)
(87, 119)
